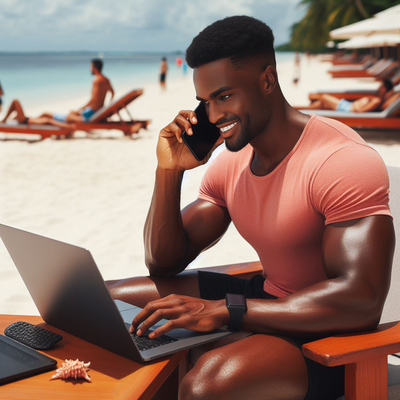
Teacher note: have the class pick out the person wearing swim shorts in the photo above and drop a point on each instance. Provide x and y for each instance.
(163, 72)
(364, 104)
(101, 86)
(306, 192)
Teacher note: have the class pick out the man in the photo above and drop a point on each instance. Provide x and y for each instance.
(308, 194)
(163, 72)
(1, 94)
(363, 104)
(101, 85)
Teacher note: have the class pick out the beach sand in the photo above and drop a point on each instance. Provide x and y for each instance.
(95, 191)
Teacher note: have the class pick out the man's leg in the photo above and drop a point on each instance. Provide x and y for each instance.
(74, 116)
(16, 107)
(139, 291)
(257, 367)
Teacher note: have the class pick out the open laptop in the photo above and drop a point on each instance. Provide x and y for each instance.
(70, 294)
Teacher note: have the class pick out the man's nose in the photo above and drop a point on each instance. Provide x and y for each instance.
(215, 114)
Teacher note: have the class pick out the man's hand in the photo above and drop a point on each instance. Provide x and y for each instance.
(172, 153)
(182, 312)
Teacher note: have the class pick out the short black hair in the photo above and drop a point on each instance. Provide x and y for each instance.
(238, 38)
(164, 59)
(98, 64)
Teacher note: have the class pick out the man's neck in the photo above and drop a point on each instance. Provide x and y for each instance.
(279, 138)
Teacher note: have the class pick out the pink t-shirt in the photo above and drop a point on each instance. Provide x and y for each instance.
(331, 175)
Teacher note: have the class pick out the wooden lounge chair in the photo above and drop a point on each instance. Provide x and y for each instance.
(352, 94)
(45, 131)
(388, 118)
(380, 70)
(99, 120)
(363, 354)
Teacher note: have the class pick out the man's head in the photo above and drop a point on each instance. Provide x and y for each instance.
(97, 65)
(235, 76)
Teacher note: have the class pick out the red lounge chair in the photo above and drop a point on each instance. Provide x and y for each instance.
(388, 118)
(99, 120)
(380, 70)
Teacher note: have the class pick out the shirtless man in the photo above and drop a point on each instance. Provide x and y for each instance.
(306, 192)
(363, 104)
(101, 85)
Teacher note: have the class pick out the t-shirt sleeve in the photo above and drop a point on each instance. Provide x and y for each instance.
(353, 183)
(213, 183)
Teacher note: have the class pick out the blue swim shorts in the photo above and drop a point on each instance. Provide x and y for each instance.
(344, 105)
(86, 113)
(60, 117)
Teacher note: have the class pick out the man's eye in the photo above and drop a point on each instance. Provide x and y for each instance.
(225, 97)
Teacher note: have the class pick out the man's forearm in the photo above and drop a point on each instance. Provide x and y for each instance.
(326, 308)
(164, 236)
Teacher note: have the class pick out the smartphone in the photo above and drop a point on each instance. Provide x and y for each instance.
(205, 134)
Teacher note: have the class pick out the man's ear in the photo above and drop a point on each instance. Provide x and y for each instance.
(268, 78)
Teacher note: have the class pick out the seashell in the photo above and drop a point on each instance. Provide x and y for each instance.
(73, 369)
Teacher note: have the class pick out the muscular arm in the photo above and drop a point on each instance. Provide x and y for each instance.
(174, 239)
(357, 258)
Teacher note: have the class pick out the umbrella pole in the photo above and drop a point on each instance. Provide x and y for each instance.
(398, 52)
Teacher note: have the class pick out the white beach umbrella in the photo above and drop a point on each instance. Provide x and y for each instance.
(361, 42)
(385, 22)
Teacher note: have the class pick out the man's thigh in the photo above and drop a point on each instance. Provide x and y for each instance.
(140, 290)
(257, 367)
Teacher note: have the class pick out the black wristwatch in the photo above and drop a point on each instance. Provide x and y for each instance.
(236, 304)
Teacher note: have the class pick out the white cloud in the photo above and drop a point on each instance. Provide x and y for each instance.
(126, 24)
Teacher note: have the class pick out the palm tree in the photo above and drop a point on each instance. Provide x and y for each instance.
(322, 16)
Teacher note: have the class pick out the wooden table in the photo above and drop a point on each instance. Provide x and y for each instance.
(113, 376)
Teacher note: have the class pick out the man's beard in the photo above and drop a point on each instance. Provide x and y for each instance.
(242, 140)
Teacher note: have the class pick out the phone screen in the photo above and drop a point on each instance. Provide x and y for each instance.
(205, 134)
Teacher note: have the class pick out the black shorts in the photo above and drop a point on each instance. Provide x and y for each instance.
(324, 383)
(162, 77)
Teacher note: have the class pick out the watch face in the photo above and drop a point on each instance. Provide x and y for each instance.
(236, 300)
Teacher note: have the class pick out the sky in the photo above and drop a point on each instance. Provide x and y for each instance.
(128, 25)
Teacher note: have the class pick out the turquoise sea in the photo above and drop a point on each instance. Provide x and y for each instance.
(36, 78)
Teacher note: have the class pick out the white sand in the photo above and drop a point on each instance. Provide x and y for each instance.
(95, 192)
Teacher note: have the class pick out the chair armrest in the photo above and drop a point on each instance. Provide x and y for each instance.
(353, 348)
(241, 270)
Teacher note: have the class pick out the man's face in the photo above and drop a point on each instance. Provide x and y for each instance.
(92, 69)
(233, 100)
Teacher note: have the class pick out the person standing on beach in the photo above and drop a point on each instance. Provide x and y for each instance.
(101, 86)
(163, 72)
(296, 68)
(306, 192)
(1, 94)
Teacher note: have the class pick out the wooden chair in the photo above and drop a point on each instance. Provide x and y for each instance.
(388, 118)
(363, 354)
(99, 120)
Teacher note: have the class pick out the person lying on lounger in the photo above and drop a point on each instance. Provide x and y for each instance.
(16, 114)
(364, 104)
(101, 85)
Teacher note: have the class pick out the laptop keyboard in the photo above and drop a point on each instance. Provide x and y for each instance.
(145, 343)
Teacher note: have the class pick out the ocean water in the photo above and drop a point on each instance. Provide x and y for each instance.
(36, 78)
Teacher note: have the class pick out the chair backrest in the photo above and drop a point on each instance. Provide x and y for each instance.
(391, 311)
(392, 105)
(107, 111)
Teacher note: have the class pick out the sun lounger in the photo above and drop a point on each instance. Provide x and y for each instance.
(389, 118)
(353, 94)
(99, 120)
(381, 69)
(45, 131)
